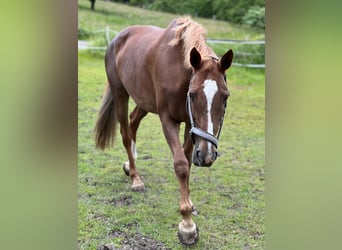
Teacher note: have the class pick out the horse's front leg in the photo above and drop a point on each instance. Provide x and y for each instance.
(187, 229)
(187, 149)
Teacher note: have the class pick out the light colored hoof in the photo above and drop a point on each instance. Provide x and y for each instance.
(138, 185)
(138, 188)
(188, 236)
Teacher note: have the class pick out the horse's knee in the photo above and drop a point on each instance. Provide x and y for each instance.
(182, 169)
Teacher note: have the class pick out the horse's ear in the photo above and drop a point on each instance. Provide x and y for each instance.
(195, 58)
(226, 60)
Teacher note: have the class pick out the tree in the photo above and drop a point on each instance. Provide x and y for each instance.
(92, 4)
(255, 17)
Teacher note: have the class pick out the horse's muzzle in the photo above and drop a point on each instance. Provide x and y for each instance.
(203, 159)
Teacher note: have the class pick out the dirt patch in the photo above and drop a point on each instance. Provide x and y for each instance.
(123, 200)
(139, 242)
(136, 242)
(107, 247)
(146, 157)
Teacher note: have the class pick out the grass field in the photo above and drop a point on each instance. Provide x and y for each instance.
(229, 195)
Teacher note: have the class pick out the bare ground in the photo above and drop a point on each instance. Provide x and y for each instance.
(136, 242)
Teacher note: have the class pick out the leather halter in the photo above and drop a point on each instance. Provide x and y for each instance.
(200, 132)
(213, 57)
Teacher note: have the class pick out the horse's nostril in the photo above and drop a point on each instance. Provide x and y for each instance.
(197, 154)
(215, 155)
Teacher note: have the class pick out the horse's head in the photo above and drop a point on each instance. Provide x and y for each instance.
(206, 103)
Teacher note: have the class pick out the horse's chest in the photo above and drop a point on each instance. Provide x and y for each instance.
(176, 108)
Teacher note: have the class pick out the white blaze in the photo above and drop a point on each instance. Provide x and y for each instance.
(210, 89)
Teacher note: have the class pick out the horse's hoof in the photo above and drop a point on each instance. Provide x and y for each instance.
(138, 185)
(125, 168)
(138, 188)
(188, 237)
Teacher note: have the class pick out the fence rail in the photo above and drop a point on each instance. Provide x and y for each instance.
(84, 45)
(226, 41)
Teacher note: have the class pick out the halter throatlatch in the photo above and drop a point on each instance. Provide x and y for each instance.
(200, 132)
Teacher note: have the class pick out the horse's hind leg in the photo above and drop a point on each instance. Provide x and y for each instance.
(121, 101)
(135, 118)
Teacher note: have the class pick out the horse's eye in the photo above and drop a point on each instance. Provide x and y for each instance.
(192, 95)
(225, 96)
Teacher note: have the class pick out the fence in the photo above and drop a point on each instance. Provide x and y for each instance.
(83, 45)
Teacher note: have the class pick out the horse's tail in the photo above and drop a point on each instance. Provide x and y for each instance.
(106, 122)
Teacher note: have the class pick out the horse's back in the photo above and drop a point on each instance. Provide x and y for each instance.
(130, 58)
(136, 38)
(132, 45)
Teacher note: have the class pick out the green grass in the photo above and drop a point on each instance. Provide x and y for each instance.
(229, 195)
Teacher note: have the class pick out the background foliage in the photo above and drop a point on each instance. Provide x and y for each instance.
(91, 27)
(248, 12)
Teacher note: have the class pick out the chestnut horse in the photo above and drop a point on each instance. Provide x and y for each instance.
(173, 73)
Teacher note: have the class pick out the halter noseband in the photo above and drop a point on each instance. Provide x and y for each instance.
(200, 132)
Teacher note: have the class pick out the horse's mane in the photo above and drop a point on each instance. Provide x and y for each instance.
(192, 34)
